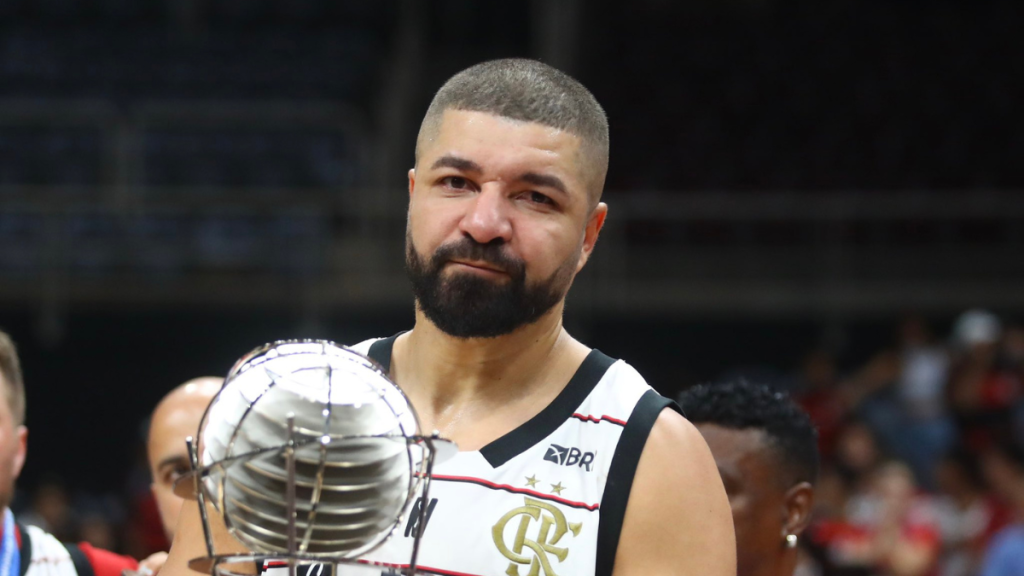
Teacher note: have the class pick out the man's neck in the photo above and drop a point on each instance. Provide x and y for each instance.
(446, 377)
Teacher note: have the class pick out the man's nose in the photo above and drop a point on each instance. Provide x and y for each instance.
(487, 219)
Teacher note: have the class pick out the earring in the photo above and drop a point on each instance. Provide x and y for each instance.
(791, 540)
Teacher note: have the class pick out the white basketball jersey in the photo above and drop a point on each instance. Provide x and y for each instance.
(547, 498)
(46, 555)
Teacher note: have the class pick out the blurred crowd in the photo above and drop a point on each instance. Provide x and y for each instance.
(921, 446)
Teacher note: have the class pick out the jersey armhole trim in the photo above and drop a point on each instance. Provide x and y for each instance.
(25, 550)
(621, 473)
(380, 352)
(78, 558)
(548, 420)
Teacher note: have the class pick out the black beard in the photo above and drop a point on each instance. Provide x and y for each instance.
(465, 305)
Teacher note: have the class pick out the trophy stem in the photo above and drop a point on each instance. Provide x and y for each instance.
(193, 457)
(289, 455)
(421, 522)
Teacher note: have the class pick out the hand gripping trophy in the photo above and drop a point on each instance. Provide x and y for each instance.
(311, 455)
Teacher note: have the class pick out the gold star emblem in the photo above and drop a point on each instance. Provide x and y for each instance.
(531, 481)
(557, 488)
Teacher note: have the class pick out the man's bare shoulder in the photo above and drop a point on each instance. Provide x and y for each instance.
(678, 519)
(672, 431)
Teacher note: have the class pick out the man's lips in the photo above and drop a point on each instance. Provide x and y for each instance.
(479, 266)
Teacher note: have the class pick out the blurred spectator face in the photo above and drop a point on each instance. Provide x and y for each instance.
(13, 444)
(857, 450)
(757, 497)
(1013, 345)
(895, 487)
(830, 495)
(1004, 475)
(175, 418)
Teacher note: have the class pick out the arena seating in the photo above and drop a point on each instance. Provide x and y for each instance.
(809, 95)
(129, 53)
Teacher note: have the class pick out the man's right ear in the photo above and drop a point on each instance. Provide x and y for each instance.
(412, 180)
(22, 451)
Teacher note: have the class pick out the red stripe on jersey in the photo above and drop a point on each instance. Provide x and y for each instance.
(596, 419)
(419, 567)
(280, 564)
(439, 571)
(513, 489)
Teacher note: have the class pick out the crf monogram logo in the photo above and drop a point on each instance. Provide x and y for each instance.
(534, 551)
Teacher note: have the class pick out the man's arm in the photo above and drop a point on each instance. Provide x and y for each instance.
(678, 519)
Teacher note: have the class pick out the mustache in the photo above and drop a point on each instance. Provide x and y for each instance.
(492, 253)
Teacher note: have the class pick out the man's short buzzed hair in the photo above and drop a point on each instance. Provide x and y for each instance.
(528, 91)
(743, 405)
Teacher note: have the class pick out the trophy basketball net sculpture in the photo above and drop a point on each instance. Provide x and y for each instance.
(311, 455)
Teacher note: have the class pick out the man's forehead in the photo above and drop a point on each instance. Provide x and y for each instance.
(171, 427)
(473, 127)
(495, 143)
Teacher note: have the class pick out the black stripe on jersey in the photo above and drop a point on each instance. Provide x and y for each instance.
(380, 352)
(79, 560)
(25, 550)
(554, 415)
(562, 408)
(620, 476)
(513, 490)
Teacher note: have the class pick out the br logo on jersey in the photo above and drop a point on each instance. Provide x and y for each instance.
(534, 551)
(570, 456)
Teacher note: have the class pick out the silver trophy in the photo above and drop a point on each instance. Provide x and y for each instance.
(311, 455)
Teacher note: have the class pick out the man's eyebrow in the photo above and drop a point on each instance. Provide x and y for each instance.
(544, 180)
(173, 460)
(456, 163)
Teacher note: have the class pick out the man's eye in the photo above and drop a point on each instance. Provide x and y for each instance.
(171, 475)
(539, 198)
(456, 182)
